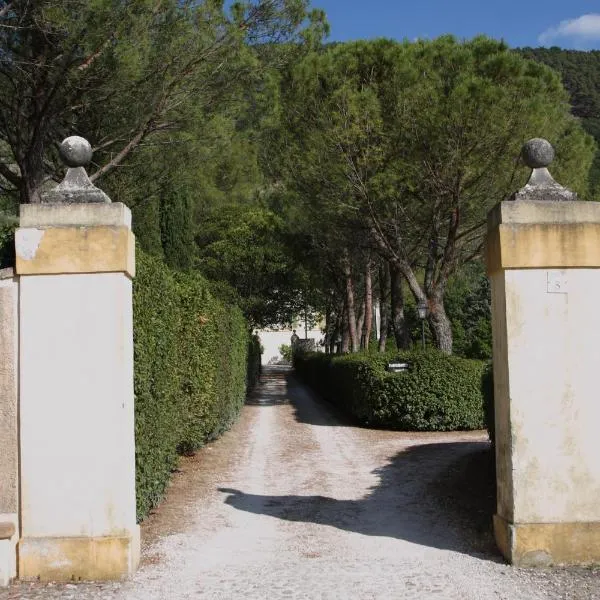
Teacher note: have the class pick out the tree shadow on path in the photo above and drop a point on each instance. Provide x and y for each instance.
(439, 495)
(272, 387)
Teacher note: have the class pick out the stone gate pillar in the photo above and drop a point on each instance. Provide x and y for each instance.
(9, 432)
(543, 258)
(75, 259)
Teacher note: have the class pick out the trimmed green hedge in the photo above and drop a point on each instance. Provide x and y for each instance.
(255, 351)
(191, 371)
(437, 393)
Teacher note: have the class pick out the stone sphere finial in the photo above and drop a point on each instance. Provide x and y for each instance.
(537, 153)
(76, 187)
(75, 151)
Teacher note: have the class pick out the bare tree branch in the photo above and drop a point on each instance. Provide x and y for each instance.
(145, 130)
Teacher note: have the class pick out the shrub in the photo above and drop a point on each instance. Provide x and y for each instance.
(191, 371)
(437, 393)
(314, 369)
(255, 351)
(286, 353)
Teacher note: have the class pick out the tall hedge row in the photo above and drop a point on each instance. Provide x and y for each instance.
(437, 393)
(191, 370)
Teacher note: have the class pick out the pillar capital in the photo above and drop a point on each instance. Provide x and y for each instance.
(540, 235)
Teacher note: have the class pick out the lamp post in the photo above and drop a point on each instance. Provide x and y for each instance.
(422, 311)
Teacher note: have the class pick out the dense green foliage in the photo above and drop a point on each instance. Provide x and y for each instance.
(244, 249)
(176, 229)
(290, 175)
(122, 73)
(437, 393)
(255, 351)
(286, 353)
(468, 304)
(400, 150)
(190, 371)
(171, 95)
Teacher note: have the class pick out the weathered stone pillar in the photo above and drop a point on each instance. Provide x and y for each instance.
(543, 258)
(75, 259)
(9, 437)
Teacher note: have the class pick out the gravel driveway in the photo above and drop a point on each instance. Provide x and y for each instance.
(294, 502)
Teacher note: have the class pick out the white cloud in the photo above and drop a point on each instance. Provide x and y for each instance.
(584, 29)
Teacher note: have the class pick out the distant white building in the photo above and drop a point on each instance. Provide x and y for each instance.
(272, 340)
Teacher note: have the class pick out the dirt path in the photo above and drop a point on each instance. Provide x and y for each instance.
(294, 503)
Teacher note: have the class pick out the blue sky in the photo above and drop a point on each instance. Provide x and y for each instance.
(565, 23)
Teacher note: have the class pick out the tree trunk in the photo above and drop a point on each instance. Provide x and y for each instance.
(384, 307)
(434, 286)
(337, 329)
(327, 329)
(32, 174)
(398, 318)
(350, 307)
(345, 346)
(368, 305)
(360, 324)
(439, 323)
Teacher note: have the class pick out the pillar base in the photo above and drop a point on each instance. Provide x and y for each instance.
(79, 558)
(545, 544)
